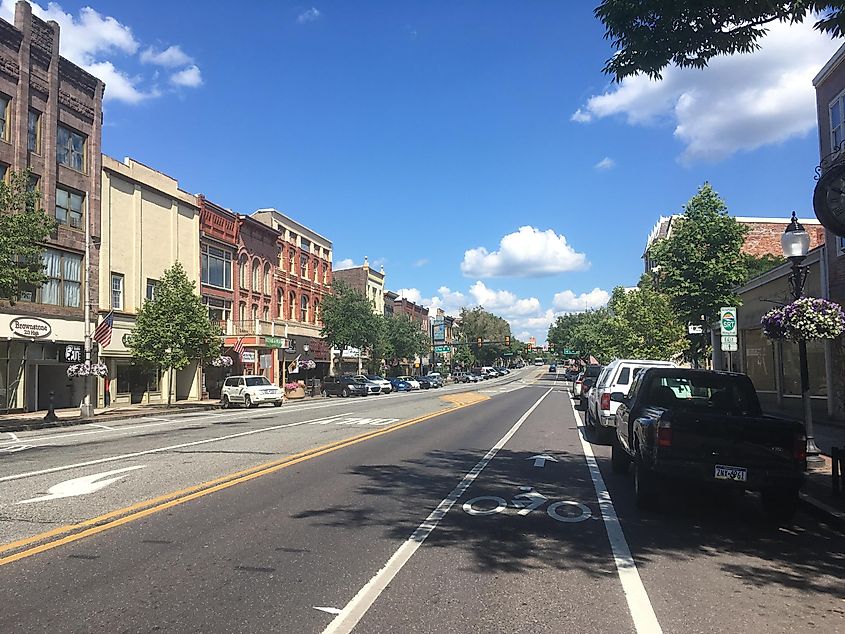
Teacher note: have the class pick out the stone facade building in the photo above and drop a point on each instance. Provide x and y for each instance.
(148, 224)
(367, 281)
(50, 121)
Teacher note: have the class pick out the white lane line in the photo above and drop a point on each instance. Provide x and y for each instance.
(135, 454)
(361, 602)
(639, 605)
(329, 610)
(102, 427)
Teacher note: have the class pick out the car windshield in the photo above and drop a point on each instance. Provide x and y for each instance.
(252, 381)
(375, 377)
(716, 393)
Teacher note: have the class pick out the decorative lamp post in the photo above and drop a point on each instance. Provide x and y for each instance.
(305, 349)
(795, 243)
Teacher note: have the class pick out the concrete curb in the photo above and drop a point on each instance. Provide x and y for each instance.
(32, 425)
(822, 510)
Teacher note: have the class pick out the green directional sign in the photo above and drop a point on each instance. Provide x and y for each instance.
(442, 348)
(507, 354)
(568, 351)
(728, 319)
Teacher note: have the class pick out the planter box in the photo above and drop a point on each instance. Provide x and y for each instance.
(297, 393)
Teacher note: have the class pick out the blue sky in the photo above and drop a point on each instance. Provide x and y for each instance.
(475, 148)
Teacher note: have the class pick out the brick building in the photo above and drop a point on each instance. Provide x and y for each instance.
(763, 236)
(50, 121)
(367, 281)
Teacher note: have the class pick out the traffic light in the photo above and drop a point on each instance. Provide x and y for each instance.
(508, 341)
(479, 342)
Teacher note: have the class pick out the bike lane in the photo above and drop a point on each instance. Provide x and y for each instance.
(523, 549)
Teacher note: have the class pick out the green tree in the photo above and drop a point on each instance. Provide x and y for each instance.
(700, 263)
(403, 338)
(478, 322)
(757, 265)
(648, 35)
(173, 328)
(23, 225)
(348, 319)
(644, 324)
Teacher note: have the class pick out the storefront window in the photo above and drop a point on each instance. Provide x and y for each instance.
(760, 360)
(792, 368)
(133, 379)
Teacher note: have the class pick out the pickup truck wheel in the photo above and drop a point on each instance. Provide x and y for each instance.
(645, 486)
(779, 504)
(619, 460)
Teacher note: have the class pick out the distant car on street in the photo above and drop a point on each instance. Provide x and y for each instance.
(424, 381)
(249, 391)
(399, 385)
(552, 369)
(415, 385)
(345, 385)
(436, 379)
(386, 387)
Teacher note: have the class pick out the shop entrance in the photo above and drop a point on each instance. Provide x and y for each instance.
(53, 378)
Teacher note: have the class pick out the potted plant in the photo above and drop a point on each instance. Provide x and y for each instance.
(294, 390)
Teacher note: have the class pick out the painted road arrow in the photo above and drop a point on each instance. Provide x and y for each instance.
(540, 460)
(81, 486)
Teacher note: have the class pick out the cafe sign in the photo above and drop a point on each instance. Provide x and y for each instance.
(30, 327)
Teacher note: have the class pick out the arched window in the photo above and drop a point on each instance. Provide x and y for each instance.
(242, 312)
(303, 310)
(242, 271)
(254, 312)
(316, 311)
(256, 272)
(292, 306)
(291, 259)
(315, 267)
(280, 304)
(267, 290)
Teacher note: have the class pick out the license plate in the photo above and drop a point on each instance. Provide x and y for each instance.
(737, 474)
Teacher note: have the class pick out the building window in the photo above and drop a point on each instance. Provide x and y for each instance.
(316, 311)
(5, 113)
(64, 280)
(254, 312)
(280, 310)
(304, 245)
(256, 272)
(325, 273)
(315, 269)
(292, 306)
(242, 312)
(70, 149)
(837, 114)
(4, 172)
(150, 293)
(69, 208)
(291, 256)
(242, 266)
(265, 313)
(303, 310)
(33, 132)
(267, 290)
(216, 267)
(117, 291)
(303, 265)
(219, 310)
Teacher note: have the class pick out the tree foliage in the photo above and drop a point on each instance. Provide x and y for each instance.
(173, 328)
(648, 35)
(23, 225)
(348, 319)
(403, 339)
(478, 322)
(757, 265)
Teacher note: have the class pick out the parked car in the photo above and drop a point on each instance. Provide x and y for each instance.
(706, 426)
(472, 377)
(411, 381)
(616, 377)
(435, 378)
(590, 372)
(399, 385)
(552, 368)
(344, 385)
(249, 391)
(384, 384)
(424, 381)
(460, 377)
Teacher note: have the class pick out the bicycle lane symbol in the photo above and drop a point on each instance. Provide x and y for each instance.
(566, 511)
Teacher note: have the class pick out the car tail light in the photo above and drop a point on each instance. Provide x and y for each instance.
(605, 401)
(664, 433)
(799, 448)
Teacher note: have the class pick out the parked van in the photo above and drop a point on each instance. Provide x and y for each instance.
(617, 376)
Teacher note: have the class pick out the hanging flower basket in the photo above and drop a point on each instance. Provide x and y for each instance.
(307, 364)
(805, 319)
(84, 369)
(222, 362)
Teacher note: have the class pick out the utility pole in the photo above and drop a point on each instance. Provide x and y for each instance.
(86, 410)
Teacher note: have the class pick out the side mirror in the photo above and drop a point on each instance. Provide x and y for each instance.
(617, 397)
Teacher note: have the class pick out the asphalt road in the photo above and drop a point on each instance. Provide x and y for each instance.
(445, 518)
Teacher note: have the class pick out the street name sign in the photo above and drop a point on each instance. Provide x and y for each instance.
(442, 348)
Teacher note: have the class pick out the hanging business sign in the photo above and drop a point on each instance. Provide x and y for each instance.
(276, 342)
(71, 353)
(30, 327)
(248, 356)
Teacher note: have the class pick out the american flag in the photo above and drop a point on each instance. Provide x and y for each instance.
(102, 335)
(239, 346)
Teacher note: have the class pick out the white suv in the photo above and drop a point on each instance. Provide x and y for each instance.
(249, 391)
(617, 376)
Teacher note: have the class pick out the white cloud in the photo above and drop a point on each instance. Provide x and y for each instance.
(569, 302)
(411, 294)
(421, 262)
(528, 252)
(171, 57)
(308, 16)
(503, 303)
(605, 164)
(101, 45)
(345, 263)
(190, 77)
(739, 102)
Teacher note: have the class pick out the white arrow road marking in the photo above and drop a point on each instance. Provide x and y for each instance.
(81, 486)
(540, 460)
(528, 501)
(329, 610)
(15, 448)
(13, 436)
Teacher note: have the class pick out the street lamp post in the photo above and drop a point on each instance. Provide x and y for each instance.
(795, 243)
(305, 349)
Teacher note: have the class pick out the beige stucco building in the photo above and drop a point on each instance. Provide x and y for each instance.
(148, 224)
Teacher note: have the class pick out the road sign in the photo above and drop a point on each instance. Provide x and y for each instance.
(729, 343)
(569, 352)
(728, 320)
(507, 354)
(442, 348)
(695, 329)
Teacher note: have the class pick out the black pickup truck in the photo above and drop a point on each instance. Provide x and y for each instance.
(705, 426)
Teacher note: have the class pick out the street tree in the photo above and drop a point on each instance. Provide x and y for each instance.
(403, 339)
(348, 319)
(173, 328)
(700, 263)
(492, 329)
(644, 324)
(23, 226)
(648, 35)
(757, 265)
